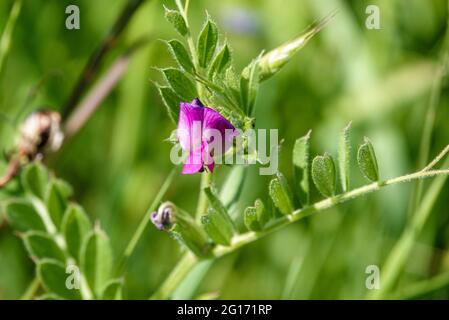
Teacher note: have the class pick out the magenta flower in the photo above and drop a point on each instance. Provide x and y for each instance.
(203, 133)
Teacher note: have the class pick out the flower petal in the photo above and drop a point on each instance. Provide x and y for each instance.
(194, 163)
(189, 126)
(214, 120)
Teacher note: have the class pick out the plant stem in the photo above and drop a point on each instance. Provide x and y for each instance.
(206, 181)
(429, 122)
(84, 110)
(191, 44)
(424, 287)
(144, 222)
(5, 41)
(398, 256)
(187, 262)
(96, 58)
(240, 240)
(31, 290)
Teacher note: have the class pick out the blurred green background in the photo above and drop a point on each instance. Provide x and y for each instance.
(379, 79)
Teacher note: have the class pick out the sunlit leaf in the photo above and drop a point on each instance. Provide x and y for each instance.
(207, 43)
(323, 174)
(366, 158)
(177, 21)
(301, 167)
(180, 83)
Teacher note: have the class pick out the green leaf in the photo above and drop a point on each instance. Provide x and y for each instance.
(232, 187)
(56, 203)
(192, 237)
(323, 174)
(366, 158)
(23, 217)
(280, 193)
(53, 276)
(180, 84)
(180, 54)
(250, 219)
(74, 227)
(255, 217)
(189, 233)
(171, 101)
(207, 42)
(64, 187)
(221, 61)
(218, 207)
(41, 245)
(344, 157)
(96, 260)
(216, 228)
(177, 20)
(34, 179)
(113, 290)
(301, 167)
(249, 85)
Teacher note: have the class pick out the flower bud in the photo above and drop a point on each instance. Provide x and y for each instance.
(165, 216)
(182, 227)
(271, 62)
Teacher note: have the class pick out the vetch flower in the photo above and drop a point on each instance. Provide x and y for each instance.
(203, 133)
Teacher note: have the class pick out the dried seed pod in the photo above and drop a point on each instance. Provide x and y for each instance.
(41, 131)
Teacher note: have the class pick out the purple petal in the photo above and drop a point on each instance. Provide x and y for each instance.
(194, 163)
(214, 120)
(190, 122)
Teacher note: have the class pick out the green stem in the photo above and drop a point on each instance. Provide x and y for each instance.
(422, 288)
(144, 222)
(5, 41)
(186, 264)
(429, 121)
(31, 290)
(191, 44)
(398, 256)
(206, 181)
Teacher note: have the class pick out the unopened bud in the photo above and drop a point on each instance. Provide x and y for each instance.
(271, 62)
(181, 226)
(165, 216)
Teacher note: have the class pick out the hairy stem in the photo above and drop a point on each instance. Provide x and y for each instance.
(398, 256)
(240, 240)
(429, 121)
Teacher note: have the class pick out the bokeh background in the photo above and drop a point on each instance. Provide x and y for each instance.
(379, 79)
